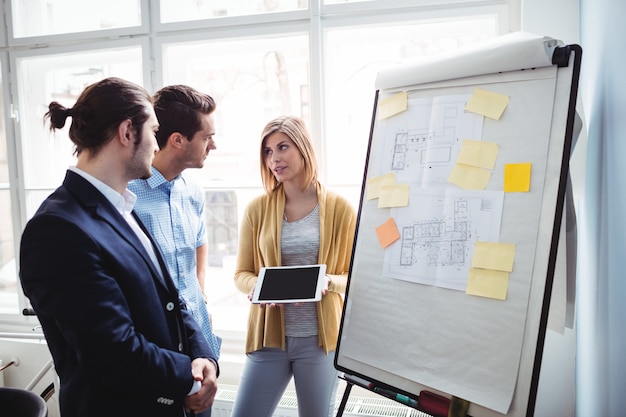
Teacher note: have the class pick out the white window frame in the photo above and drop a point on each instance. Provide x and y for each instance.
(74, 37)
(151, 35)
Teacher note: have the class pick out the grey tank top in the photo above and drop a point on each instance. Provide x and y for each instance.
(300, 245)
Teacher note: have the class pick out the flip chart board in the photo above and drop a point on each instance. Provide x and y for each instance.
(459, 221)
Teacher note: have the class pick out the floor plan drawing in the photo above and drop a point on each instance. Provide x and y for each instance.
(438, 235)
(421, 144)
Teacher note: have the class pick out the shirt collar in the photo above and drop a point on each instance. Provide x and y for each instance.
(157, 180)
(124, 202)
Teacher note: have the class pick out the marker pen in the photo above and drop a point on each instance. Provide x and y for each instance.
(406, 400)
(358, 381)
(395, 396)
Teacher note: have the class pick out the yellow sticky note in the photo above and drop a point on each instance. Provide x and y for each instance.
(487, 103)
(396, 195)
(478, 154)
(375, 183)
(392, 105)
(487, 283)
(387, 233)
(469, 177)
(517, 178)
(494, 255)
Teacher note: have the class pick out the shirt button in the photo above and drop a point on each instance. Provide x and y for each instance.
(169, 306)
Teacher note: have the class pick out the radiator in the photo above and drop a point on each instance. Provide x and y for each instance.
(288, 406)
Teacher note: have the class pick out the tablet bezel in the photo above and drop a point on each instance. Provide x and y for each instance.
(265, 274)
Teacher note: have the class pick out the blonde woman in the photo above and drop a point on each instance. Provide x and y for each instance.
(296, 222)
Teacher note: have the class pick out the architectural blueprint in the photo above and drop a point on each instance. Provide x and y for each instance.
(421, 144)
(438, 231)
(442, 222)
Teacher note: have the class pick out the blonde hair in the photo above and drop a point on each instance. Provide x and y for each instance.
(296, 130)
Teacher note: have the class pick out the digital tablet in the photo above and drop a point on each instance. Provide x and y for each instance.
(289, 284)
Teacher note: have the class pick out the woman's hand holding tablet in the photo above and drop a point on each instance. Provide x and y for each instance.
(290, 284)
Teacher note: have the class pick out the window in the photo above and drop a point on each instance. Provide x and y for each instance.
(31, 18)
(186, 10)
(8, 284)
(353, 57)
(252, 80)
(61, 77)
(258, 58)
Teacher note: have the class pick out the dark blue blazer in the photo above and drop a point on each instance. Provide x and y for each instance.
(121, 340)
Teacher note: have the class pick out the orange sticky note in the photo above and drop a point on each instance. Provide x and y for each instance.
(387, 233)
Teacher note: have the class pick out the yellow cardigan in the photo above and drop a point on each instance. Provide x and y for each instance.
(259, 245)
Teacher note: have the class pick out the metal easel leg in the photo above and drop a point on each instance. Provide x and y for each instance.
(344, 399)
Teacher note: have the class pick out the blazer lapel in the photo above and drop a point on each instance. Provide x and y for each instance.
(94, 200)
(167, 279)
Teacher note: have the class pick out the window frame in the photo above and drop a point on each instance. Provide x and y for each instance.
(76, 37)
(13, 106)
(141, 42)
(151, 35)
(14, 163)
(270, 18)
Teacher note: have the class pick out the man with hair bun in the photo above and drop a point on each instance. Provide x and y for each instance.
(123, 343)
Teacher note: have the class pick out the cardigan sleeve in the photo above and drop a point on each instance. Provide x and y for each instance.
(245, 272)
(342, 227)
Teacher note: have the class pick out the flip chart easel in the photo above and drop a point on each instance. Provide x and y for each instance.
(458, 227)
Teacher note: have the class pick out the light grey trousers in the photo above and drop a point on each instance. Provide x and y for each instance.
(268, 371)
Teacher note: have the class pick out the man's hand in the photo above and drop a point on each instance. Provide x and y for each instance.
(205, 371)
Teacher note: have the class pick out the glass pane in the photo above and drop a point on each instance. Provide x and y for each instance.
(343, 1)
(353, 58)
(4, 157)
(228, 306)
(252, 81)
(8, 270)
(46, 17)
(186, 10)
(61, 77)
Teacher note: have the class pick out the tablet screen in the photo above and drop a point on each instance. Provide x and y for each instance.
(289, 284)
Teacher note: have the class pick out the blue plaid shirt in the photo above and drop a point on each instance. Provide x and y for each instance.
(173, 212)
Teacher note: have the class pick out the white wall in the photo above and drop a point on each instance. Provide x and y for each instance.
(559, 19)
